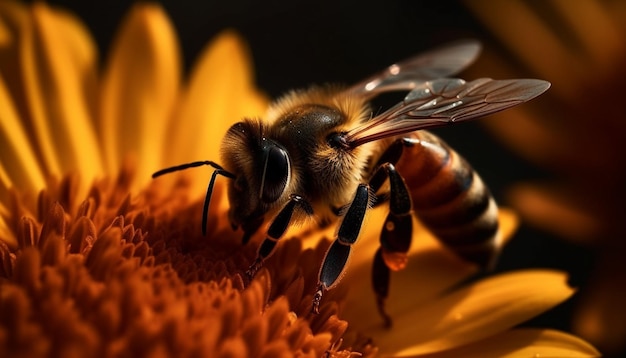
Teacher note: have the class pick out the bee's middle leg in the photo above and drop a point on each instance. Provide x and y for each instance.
(337, 255)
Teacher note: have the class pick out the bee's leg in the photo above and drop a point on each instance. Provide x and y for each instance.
(391, 155)
(338, 253)
(395, 237)
(276, 230)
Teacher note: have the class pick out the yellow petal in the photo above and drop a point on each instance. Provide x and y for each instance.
(509, 221)
(6, 234)
(617, 9)
(220, 93)
(472, 313)
(590, 21)
(526, 35)
(524, 343)
(554, 210)
(14, 17)
(18, 163)
(517, 128)
(58, 67)
(599, 316)
(430, 271)
(140, 86)
(6, 37)
(16, 60)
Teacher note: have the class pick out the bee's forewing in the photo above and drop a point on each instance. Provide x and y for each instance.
(444, 101)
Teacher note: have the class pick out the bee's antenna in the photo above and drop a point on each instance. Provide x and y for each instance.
(218, 170)
(187, 166)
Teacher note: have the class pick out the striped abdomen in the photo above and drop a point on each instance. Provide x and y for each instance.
(450, 198)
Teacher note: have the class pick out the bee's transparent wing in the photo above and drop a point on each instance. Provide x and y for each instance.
(443, 61)
(446, 100)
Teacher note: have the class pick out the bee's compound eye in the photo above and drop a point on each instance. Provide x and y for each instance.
(276, 173)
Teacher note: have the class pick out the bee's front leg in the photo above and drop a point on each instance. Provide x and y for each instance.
(277, 230)
(337, 255)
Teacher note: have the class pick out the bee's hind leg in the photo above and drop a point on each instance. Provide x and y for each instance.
(277, 230)
(395, 237)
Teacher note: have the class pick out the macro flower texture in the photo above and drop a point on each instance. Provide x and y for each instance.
(98, 259)
(576, 133)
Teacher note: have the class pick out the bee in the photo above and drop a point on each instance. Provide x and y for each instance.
(322, 152)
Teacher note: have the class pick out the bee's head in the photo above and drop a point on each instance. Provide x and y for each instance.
(262, 170)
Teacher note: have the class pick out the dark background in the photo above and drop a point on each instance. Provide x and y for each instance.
(295, 44)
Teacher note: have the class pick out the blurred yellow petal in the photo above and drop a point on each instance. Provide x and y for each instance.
(416, 285)
(473, 313)
(14, 18)
(590, 21)
(524, 343)
(509, 221)
(617, 9)
(5, 184)
(223, 74)
(600, 316)
(17, 159)
(519, 28)
(528, 136)
(5, 232)
(19, 70)
(5, 34)
(60, 68)
(551, 210)
(520, 126)
(578, 135)
(140, 87)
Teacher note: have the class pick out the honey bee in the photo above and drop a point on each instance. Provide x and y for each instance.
(322, 152)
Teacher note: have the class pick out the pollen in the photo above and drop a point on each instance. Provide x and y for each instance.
(390, 226)
(122, 274)
(396, 261)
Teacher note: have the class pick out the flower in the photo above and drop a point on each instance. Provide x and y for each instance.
(102, 261)
(576, 132)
